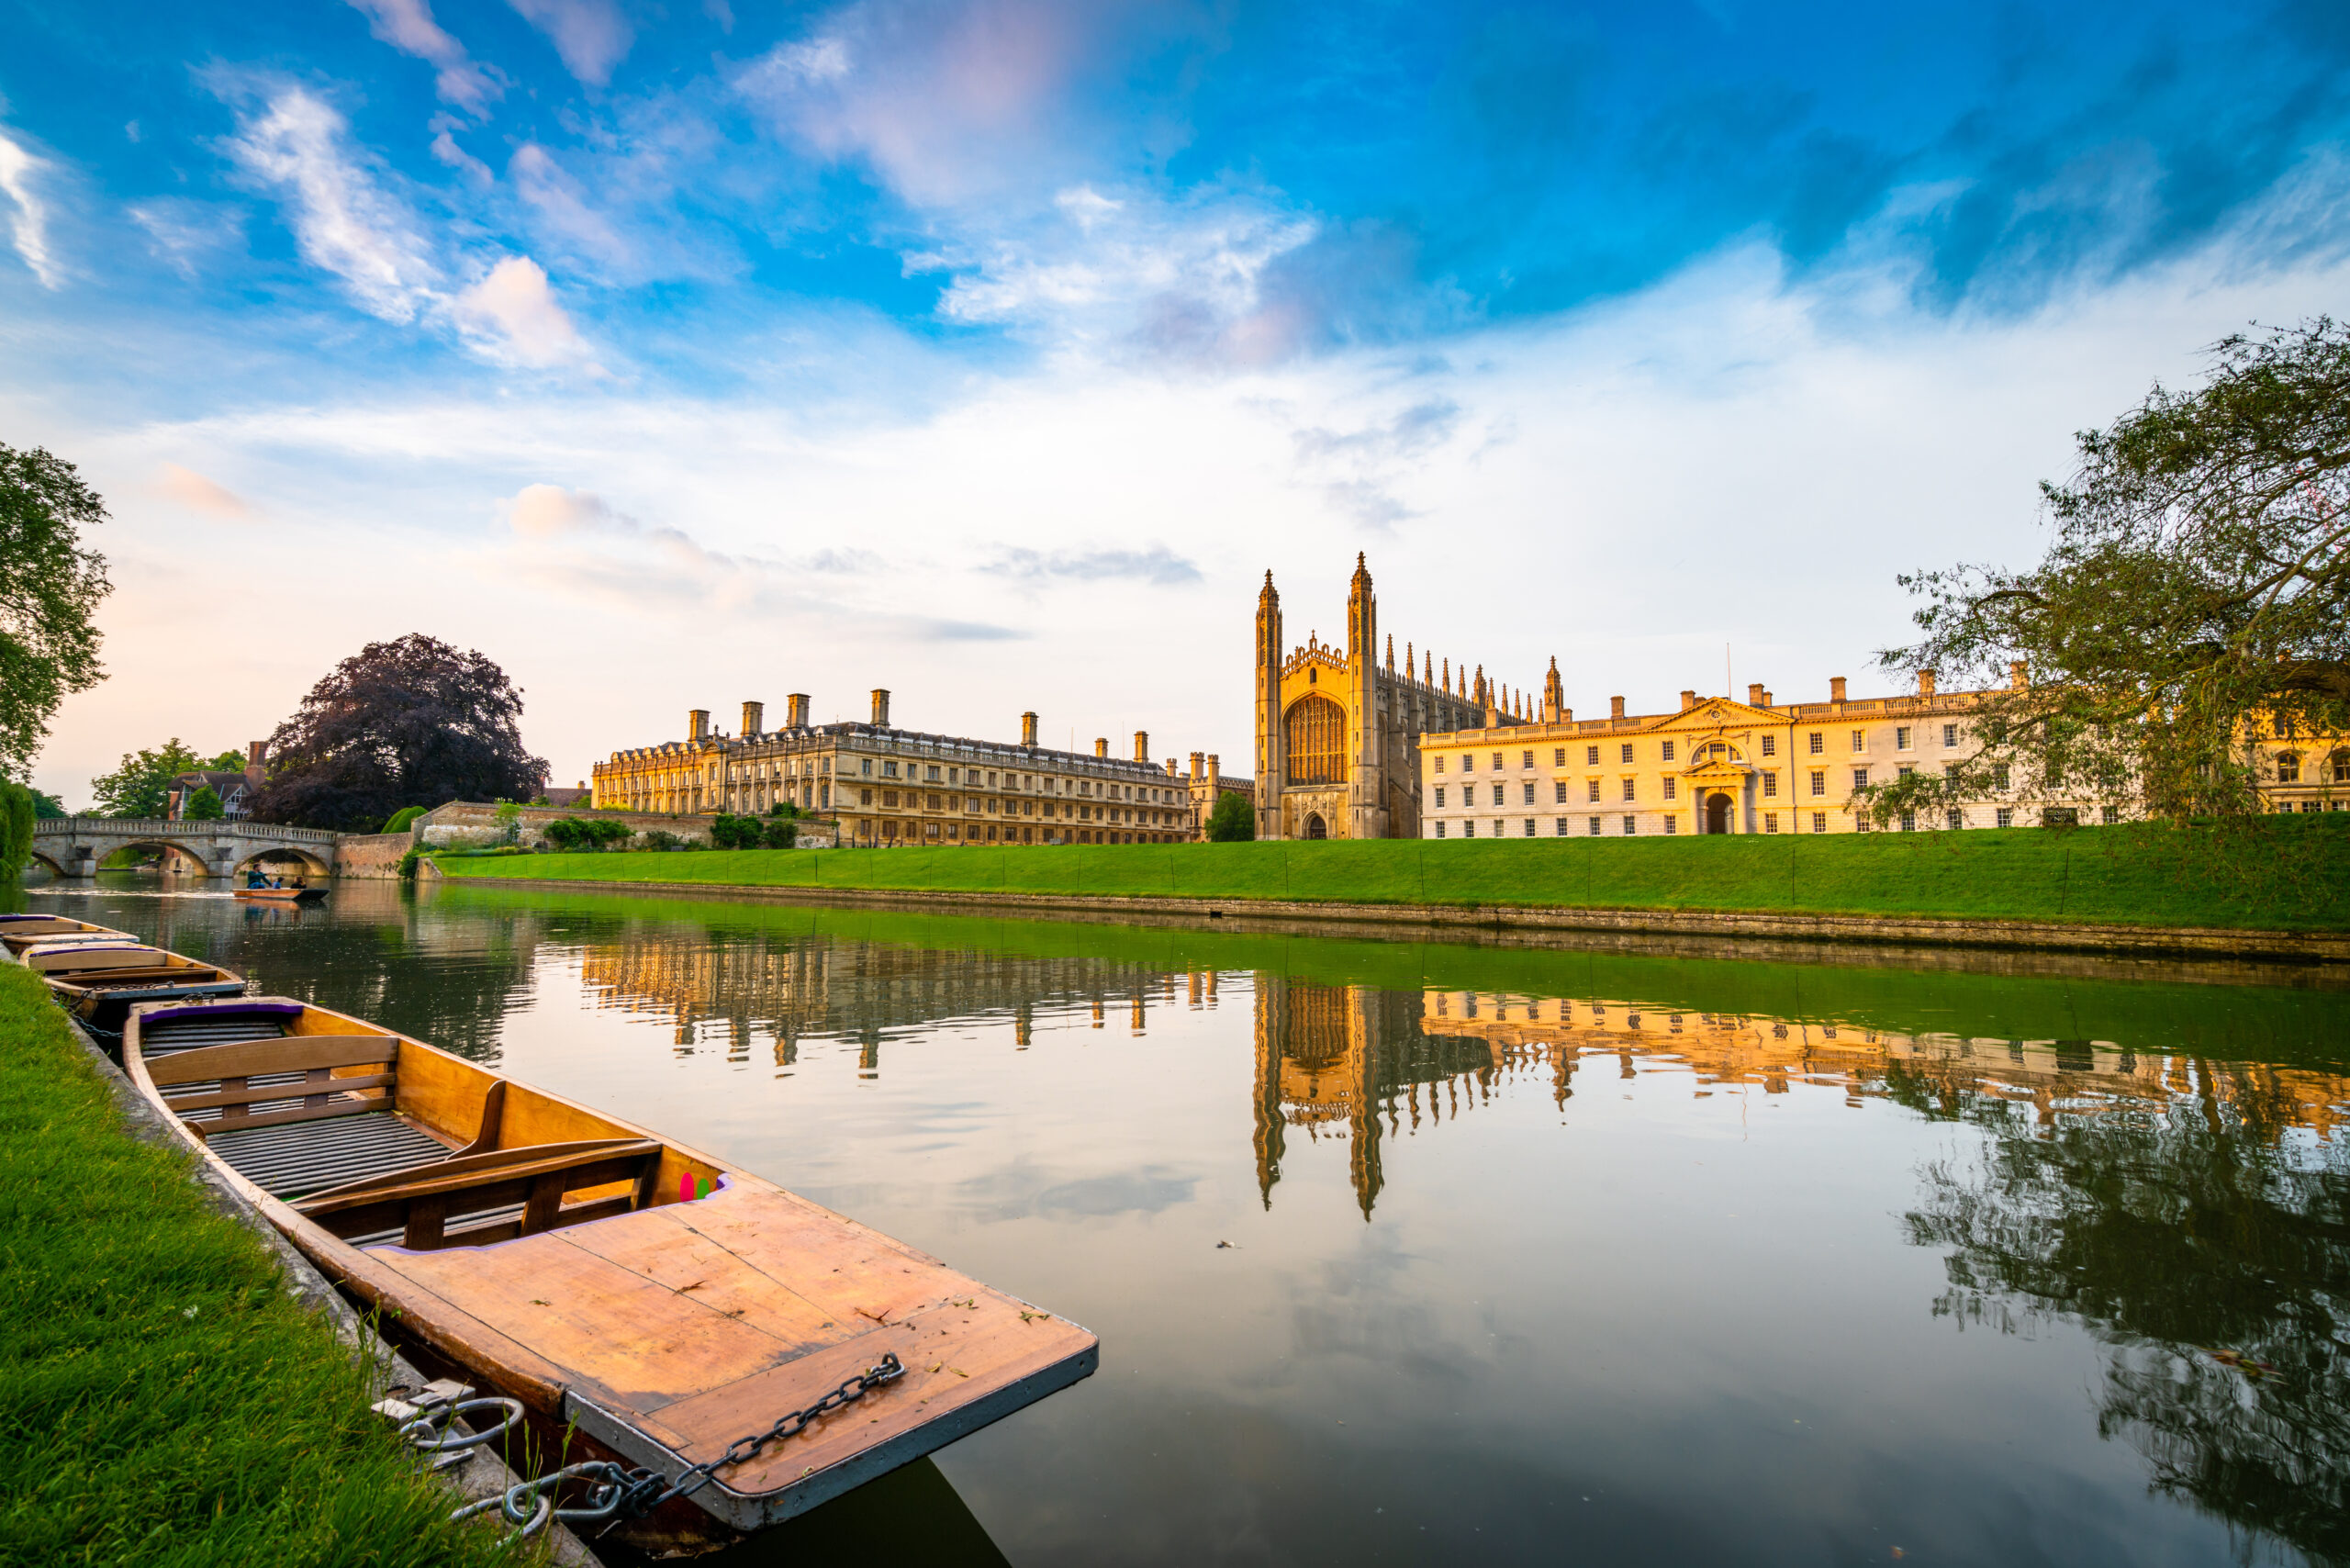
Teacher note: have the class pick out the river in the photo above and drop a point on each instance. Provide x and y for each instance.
(1417, 1253)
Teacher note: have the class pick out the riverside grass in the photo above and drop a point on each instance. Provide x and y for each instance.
(2281, 873)
(165, 1402)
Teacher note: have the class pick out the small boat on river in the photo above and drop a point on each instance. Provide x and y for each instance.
(18, 932)
(98, 978)
(260, 890)
(650, 1304)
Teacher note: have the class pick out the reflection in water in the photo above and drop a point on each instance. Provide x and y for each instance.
(2200, 1231)
(1699, 1159)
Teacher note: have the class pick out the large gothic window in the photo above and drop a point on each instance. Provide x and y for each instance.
(1314, 734)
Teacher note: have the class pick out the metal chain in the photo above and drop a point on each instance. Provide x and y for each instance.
(887, 1370)
(636, 1492)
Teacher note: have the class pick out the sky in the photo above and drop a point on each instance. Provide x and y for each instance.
(683, 354)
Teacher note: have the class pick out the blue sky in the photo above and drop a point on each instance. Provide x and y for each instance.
(678, 354)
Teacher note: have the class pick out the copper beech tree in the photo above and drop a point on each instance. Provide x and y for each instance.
(409, 723)
(2196, 593)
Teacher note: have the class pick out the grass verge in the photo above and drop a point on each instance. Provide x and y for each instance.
(165, 1402)
(2283, 873)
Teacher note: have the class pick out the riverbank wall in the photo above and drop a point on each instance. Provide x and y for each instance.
(1530, 925)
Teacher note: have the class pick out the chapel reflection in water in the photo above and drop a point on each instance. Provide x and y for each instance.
(1360, 1065)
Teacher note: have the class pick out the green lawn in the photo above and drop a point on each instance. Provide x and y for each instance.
(165, 1402)
(2277, 873)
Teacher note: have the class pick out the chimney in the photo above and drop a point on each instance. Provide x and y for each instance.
(880, 708)
(256, 756)
(1766, 700)
(1925, 683)
(1836, 689)
(1142, 745)
(1566, 715)
(1215, 776)
(1028, 730)
(795, 711)
(1101, 745)
(1688, 701)
(753, 715)
(1198, 761)
(2017, 679)
(1174, 768)
(697, 723)
(1755, 696)
(1615, 707)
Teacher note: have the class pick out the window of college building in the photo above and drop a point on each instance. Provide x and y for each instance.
(1859, 778)
(1668, 752)
(1591, 758)
(1595, 827)
(1859, 740)
(1627, 751)
(1631, 824)
(1563, 791)
(1818, 742)
(1770, 785)
(1498, 793)
(1819, 822)
(1628, 786)
(1901, 737)
(1819, 781)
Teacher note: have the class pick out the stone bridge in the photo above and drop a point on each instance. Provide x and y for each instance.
(72, 846)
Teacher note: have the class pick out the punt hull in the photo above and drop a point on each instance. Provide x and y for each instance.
(697, 1307)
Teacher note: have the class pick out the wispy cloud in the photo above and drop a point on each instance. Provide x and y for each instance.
(297, 146)
(198, 493)
(28, 226)
(408, 25)
(591, 36)
(183, 232)
(1158, 565)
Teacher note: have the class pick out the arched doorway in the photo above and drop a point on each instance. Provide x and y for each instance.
(1718, 813)
(1315, 827)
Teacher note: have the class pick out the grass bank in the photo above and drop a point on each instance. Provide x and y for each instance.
(163, 1400)
(2285, 873)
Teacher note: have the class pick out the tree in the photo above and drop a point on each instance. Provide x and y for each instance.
(2197, 591)
(48, 807)
(1234, 820)
(15, 827)
(50, 586)
(405, 722)
(202, 806)
(141, 787)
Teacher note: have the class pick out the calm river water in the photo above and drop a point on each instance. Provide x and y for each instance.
(1407, 1253)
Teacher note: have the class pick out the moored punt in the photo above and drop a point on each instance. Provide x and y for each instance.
(18, 932)
(98, 979)
(634, 1293)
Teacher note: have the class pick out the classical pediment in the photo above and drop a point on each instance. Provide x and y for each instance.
(1715, 713)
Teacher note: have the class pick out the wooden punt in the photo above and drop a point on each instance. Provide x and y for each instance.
(97, 980)
(18, 932)
(552, 1253)
(280, 895)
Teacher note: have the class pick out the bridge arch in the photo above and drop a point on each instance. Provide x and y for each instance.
(178, 859)
(280, 856)
(55, 869)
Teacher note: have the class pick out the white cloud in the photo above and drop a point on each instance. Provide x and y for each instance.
(513, 315)
(947, 102)
(343, 220)
(197, 493)
(28, 227)
(591, 36)
(408, 25)
(446, 150)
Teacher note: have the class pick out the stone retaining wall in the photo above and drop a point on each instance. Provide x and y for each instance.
(372, 856)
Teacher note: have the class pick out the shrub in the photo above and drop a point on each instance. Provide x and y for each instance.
(1234, 820)
(605, 832)
(407, 865)
(734, 833)
(403, 819)
(783, 809)
(781, 835)
(566, 832)
(657, 838)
